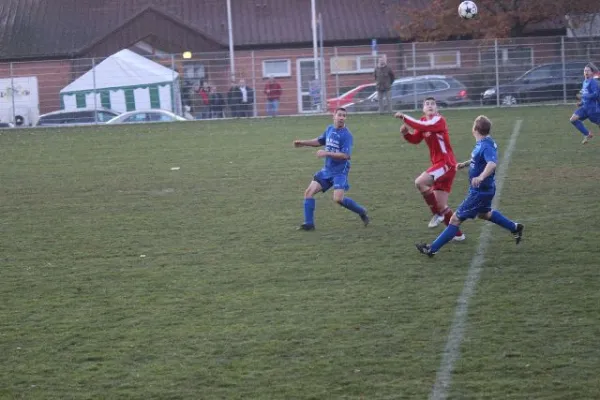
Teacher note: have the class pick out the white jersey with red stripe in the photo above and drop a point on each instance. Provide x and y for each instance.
(435, 133)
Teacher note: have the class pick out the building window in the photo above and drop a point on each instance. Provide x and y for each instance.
(507, 56)
(432, 60)
(277, 68)
(353, 64)
(193, 70)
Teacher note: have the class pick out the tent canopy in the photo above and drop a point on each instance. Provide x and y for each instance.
(122, 69)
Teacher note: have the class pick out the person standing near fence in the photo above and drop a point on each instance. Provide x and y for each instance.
(384, 78)
(273, 93)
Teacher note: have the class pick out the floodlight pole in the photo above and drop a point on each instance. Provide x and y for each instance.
(314, 37)
(230, 28)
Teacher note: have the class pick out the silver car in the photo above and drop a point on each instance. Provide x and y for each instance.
(145, 116)
(409, 93)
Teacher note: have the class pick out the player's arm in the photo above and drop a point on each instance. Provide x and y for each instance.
(436, 124)
(316, 142)
(344, 153)
(593, 92)
(463, 164)
(489, 156)
(414, 137)
(308, 143)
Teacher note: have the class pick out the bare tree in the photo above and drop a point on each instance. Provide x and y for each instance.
(438, 19)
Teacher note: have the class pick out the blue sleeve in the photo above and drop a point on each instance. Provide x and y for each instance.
(323, 138)
(592, 92)
(490, 154)
(346, 146)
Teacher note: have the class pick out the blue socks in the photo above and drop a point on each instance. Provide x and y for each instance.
(580, 127)
(352, 206)
(309, 211)
(501, 220)
(446, 236)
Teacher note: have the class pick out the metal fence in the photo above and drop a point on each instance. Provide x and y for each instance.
(501, 72)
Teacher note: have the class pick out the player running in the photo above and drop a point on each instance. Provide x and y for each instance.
(435, 184)
(482, 188)
(589, 104)
(338, 142)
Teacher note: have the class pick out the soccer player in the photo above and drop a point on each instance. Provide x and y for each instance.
(482, 188)
(435, 183)
(589, 104)
(338, 143)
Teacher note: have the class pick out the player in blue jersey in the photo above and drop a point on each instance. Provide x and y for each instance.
(338, 142)
(589, 104)
(482, 188)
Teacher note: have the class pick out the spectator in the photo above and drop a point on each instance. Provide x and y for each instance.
(384, 78)
(273, 93)
(217, 103)
(204, 93)
(234, 98)
(247, 100)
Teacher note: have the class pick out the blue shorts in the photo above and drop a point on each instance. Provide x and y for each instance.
(327, 180)
(583, 114)
(475, 204)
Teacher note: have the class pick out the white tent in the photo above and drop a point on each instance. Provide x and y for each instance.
(125, 81)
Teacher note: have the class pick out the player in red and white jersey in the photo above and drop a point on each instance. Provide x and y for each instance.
(434, 184)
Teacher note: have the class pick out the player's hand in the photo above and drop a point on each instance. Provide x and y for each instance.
(475, 182)
(321, 153)
(399, 115)
(404, 130)
(297, 143)
(578, 96)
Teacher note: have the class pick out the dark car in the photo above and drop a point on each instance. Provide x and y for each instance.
(409, 93)
(76, 117)
(542, 83)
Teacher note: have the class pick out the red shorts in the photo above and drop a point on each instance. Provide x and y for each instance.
(443, 176)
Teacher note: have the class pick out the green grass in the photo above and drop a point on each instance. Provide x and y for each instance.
(123, 279)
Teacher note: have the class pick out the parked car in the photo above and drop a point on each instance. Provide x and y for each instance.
(541, 83)
(410, 91)
(144, 116)
(76, 117)
(358, 93)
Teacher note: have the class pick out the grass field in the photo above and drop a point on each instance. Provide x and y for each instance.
(124, 279)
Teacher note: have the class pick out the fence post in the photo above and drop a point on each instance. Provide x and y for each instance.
(562, 57)
(173, 109)
(94, 90)
(497, 72)
(337, 76)
(12, 94)
(254, 85)
(414, 68)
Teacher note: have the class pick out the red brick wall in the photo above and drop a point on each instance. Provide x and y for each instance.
(52, 77)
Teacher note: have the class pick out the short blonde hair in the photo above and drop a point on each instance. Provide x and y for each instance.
(482, 125)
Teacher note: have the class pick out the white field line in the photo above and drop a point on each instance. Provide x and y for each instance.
(451, 353)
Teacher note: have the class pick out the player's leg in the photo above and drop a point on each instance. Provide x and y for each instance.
(445, 210)
(340, 187)
(577, 119)
(468, 209)
(424, 184)
(497, 218)
(318, 184)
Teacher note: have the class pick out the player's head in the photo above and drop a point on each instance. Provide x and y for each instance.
(588, 71)
(429, 106)
(482, 126)
(339, 117)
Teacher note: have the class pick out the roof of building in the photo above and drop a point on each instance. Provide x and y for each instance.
(59, 28)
